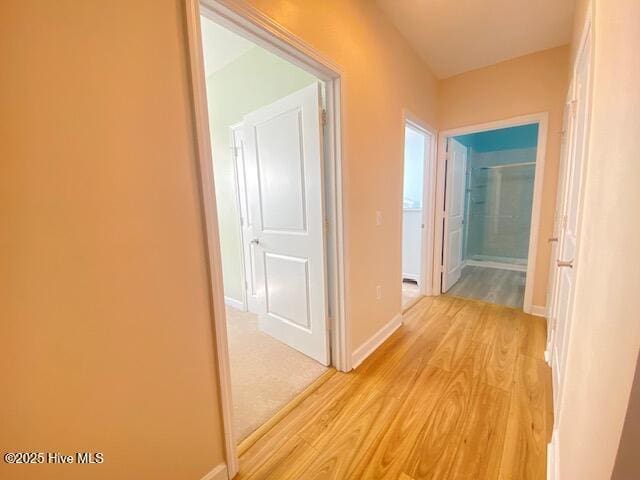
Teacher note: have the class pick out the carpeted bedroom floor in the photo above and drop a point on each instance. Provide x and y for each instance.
(265, 373)
(410, 291)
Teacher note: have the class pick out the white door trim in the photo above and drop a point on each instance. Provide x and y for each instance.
(542, 119)
(253, 24)
(428, 199)
(241, 191)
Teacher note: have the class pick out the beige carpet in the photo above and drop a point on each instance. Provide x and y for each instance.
(265, 373)
(410, 292)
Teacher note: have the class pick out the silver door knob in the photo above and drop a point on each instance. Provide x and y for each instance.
(563, 263)
(255, 241)
(552, 239)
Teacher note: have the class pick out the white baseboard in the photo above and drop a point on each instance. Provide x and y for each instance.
(232, 302)
(368, 347)
(552, 458)
(500, 265)
(538, 311)
(219, 472)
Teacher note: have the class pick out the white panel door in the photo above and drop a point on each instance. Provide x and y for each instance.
(283, 152)
(568, 241)
(454, 213)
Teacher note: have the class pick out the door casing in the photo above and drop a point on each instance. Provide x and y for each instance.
(428, 200)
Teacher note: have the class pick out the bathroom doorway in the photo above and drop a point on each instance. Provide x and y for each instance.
(491, 184)
(418, 146)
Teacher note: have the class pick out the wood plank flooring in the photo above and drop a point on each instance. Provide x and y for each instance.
(495, 285)
(460, 391)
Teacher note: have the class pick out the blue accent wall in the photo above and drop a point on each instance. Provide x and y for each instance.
(525, 136)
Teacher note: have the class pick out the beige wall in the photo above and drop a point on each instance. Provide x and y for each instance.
(105, 323)
(605, 337)
(530, 84)
(381, 76)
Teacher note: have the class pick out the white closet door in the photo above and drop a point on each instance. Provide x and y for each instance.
(283, 147)
(569, 234)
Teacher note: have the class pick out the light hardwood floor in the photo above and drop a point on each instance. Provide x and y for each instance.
(460, 391)
(495, 285)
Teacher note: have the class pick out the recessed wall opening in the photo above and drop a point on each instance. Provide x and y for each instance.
(489, 204)
(271, 164)
(418, 144)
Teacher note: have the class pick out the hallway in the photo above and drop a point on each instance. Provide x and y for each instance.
(461, 390)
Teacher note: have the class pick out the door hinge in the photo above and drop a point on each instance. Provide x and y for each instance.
(571, 104)
(324, 117)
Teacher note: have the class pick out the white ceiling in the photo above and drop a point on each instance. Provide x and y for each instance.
(455, 36)
(221, 46)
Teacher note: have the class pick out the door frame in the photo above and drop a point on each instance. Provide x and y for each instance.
(241, 191)
(542, 119)
(428, 200)
(249, 22)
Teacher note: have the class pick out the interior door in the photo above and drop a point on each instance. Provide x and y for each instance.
(454, 213)
(246, 220)
(283, 148)
(568, 241)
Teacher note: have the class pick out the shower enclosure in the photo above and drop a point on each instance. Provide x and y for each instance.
(498, 205)
(498, 214)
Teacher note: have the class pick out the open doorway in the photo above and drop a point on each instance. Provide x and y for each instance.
(269, 143)
(418, 143)
(492, 178)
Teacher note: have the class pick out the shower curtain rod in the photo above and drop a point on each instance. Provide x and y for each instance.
(523, 164)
